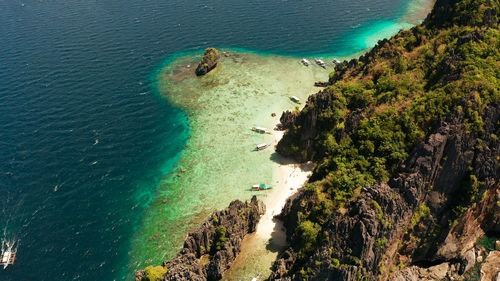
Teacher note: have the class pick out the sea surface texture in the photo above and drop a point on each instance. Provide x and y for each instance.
(88, 143)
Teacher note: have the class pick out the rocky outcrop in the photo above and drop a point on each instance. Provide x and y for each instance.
(211, 249)
(208, 62)
(422, 221)
(312, 122)
(490, 271)
(287, 120)
(366, 239)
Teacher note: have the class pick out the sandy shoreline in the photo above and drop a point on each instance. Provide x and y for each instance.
(290, 177)
(270, 238)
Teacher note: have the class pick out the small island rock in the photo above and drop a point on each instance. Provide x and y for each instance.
(208, 62)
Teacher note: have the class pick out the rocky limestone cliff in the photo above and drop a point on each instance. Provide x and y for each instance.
(367, 240)
(208, 62)
(211, 249)
(410, 206)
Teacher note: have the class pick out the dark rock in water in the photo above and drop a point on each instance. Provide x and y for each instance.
(208, 62)
(217, 241)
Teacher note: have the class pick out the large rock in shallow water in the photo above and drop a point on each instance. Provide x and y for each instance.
(210, 249)
(209, 61)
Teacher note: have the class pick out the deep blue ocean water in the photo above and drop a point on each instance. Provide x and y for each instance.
(84, 136)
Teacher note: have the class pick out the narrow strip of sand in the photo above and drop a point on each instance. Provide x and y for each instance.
(290, 177)
(260, 249)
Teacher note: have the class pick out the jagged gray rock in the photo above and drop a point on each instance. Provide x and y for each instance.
(217, 241)
(358, 232)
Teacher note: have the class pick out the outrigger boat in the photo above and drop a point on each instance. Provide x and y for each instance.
(8, 254)
(258, 187)
(261, 130)
(320, 63)
(295, 99)
(305, 62)
(262, 146)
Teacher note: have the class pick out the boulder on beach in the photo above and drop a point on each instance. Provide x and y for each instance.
(208, 62)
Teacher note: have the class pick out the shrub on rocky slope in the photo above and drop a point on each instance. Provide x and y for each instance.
(405, 139)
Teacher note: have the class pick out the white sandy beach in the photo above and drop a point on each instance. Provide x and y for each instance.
(270, 238)
(290, 177)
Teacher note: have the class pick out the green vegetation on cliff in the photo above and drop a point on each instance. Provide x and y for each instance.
(378, 108)
(153, 273)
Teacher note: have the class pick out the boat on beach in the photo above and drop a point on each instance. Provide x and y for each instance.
(295, 99)
(258, 187)
(305, 62)
(320, 63)
(261, 130)
(335, 61)
(256, 278)
(262, 146)
(8, 254)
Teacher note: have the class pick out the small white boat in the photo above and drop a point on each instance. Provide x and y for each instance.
(8, 254)
(295, 99)
(261, 130)
(305, 62)
(320, 63)
(262, 146)
(256, 278)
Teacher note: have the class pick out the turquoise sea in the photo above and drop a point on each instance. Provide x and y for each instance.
(88, 144)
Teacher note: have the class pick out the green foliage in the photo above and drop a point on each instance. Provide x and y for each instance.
(380, 243)
(401, 266)
(322, 210)
(487, 242)
(211, 52)
(219, 239)
(422, 212)
(154, 273)
(469, 190)
(409, 95)
(380, 214)
(381, 107)
(335, 263)
(308, 232)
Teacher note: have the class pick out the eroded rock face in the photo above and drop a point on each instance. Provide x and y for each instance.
(208, 62)
(312, 125)
(490, 271)
(217, 242)
(287, 120)
(373, 225)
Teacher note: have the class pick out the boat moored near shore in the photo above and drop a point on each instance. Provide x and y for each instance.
(320, 63)
(295, 99)
(262, 146)
(261, 130)
(258, 187)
